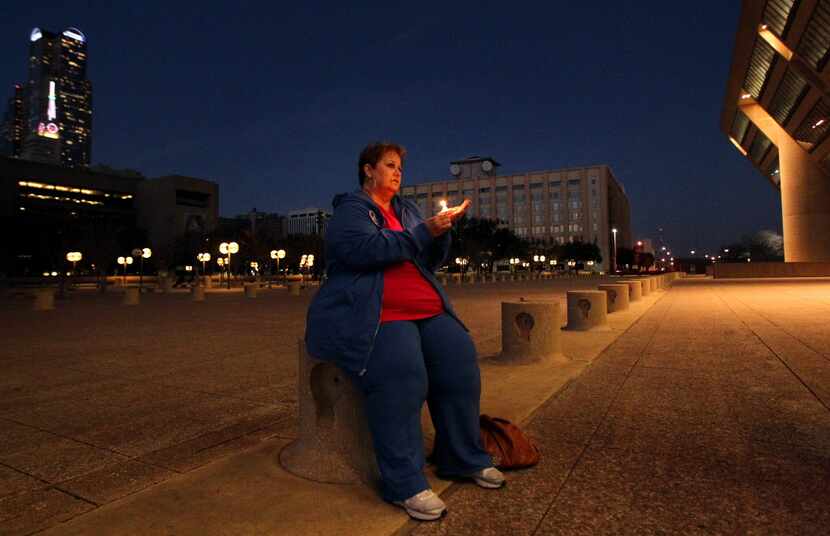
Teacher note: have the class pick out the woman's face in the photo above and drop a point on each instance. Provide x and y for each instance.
(385, 178)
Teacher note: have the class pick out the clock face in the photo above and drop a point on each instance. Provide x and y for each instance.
(487, 165)
(455, 169)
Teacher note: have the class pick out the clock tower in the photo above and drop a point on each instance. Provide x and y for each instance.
(474, 167)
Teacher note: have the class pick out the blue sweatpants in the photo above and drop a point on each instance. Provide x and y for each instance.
(412, 361)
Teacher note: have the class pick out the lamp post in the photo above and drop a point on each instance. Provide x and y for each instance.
(74, 257)
(124, 261)
(278, 254)
(204, 257)
(228, 248)
(614, 234)
(141, 253)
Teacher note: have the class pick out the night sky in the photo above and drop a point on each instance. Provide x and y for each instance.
(274, 103)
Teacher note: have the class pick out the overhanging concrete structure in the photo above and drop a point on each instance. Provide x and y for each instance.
(777, 113)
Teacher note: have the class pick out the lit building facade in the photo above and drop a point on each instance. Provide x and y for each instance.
(58, 100)
(306, 221)
(555, 206)
(14, 124)
(49, 208)
(776, 112)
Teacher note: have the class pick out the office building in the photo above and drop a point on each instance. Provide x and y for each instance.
(554, 206)
(306, 221)
(13, 126)
(58, 100)
(776, 112)
(49, 208)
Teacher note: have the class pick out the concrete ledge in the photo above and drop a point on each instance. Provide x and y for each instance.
(771, 269)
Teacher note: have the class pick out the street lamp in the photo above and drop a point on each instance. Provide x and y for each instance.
(614, 234)
(278, 254)
(221, 262)
(141, 253)
(204, 258)
(74, 257)
(228, 248)
(124, 261)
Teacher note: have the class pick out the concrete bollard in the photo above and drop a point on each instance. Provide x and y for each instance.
(251, 290)
(493, 278)
(587, 310)
(131, 296)
(166, 285)
(333, 443)
(530, 331)
(44, 299)
(617, 296)
(646, 286)
(294, 288)
(197, 293)
(207, 282)
(635, 290)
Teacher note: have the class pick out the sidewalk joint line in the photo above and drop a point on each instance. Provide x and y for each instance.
(773, 352)
(660, 322)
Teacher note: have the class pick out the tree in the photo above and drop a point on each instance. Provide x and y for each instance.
(625, 257)
(581, 252)
(764, 245)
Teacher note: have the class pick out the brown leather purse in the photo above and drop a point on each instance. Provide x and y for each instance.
(509, 447)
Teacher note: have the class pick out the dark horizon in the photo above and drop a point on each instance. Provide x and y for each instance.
(274, 104)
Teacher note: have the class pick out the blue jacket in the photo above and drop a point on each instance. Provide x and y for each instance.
(344, 317)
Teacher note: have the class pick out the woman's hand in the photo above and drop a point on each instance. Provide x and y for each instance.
(442, 222)
(458, 211)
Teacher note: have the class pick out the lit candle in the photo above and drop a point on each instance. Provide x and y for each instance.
(443, 204)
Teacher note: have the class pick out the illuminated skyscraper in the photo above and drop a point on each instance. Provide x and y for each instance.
(58, 118)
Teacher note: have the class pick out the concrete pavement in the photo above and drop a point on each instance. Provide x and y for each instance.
(99, 401)
(709, 416)
(708, 413)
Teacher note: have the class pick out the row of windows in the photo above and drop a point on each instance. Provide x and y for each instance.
(552, 183)
(523, 232)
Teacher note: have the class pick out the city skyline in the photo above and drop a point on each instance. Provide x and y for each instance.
(276, 115)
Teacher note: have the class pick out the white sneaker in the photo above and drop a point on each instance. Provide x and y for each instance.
(489, 477)
(425, 506)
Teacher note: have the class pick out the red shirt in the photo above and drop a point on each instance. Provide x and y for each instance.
(407, 295)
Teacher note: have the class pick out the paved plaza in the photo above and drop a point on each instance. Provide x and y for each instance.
(705, 411)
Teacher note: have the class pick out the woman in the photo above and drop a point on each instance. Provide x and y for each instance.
(383, 318)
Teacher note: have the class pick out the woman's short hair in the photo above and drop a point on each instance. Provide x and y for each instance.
(373, 152)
